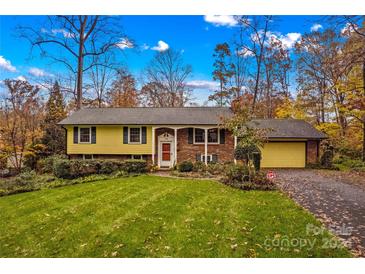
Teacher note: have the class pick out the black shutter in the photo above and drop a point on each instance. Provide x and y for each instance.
(76, 135)
(190, 135)
(215, 158)
(222, 136)
(93, 135)
(125, 135)
(144, 135)
(198, 157)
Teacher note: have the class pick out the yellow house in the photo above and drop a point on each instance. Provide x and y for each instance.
(166, 136)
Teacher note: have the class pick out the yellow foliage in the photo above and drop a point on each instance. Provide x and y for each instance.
(331, 129)
(289, 109)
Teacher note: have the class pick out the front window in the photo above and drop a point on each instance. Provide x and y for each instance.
(199, 135)
(213, 135)
(84, 135)
(209, 158)
(137, 157)
(88, 157)
(134, 135)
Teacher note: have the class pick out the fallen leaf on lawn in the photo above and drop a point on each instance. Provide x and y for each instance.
(234, 246)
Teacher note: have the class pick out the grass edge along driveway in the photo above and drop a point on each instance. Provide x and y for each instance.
(151, 216)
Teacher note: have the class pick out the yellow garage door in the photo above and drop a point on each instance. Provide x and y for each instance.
(283, 154)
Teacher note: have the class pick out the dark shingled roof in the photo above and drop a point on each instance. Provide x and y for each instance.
(279, 128)
(148, 116)
(289, 128)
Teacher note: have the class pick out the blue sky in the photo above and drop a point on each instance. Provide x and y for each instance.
(196, 36)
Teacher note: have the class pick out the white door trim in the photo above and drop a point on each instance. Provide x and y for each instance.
(166, 138)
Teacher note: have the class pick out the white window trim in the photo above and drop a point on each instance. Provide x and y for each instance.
(209, 156)
(140, 136)
(209, 143)
(139, 155)
(92, 156)
(80, 135)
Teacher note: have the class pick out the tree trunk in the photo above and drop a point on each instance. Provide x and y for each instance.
(80, 65)
(363, 118)
(363, 139)
(322, 103)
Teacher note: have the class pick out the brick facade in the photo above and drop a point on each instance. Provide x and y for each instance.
(312, 151)
(186, 151)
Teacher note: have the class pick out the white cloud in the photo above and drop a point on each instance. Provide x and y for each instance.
(221, 20)
(161, 46)
(244, 52)
(6, 64)
(290, 39)
(202, 84)
(125, 44)
(21, 78)
(348, 29)
(65, 33)
(316, 27)
(38, 72)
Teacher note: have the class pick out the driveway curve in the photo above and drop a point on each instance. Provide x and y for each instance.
(334, 200)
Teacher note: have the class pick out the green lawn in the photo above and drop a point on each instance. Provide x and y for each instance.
(150, 216)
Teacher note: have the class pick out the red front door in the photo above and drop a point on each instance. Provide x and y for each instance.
(166, 152)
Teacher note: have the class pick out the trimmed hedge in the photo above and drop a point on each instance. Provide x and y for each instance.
(70, 169)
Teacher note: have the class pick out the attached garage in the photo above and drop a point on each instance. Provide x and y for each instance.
(284, 155)
(291, 143)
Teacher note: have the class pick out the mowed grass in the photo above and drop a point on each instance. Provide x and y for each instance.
(150, 216)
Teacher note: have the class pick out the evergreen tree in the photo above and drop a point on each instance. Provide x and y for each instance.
(223, 71)
(54, 135)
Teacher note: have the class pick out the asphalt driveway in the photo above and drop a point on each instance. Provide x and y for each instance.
(336, 201)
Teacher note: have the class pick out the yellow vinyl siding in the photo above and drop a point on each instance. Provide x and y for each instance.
(283, 154)
(109, 140)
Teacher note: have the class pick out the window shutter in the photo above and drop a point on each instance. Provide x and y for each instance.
(198, 157)
(190, 135)
(125, 135)
(215, 158)
(222, 136)
(144, 135)
(93, 135)
(76, 135)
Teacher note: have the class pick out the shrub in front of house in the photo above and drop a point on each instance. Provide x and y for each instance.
(185, 166)
(134, 166)
(236, 173)
(45, 165)
(62, 169)
(238, 176)
(109, 166)
(199, 166)
(70, 169)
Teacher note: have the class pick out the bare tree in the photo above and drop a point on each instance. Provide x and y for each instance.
(74, 40)
(256, 29)
(166, 76)
(101, 76)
